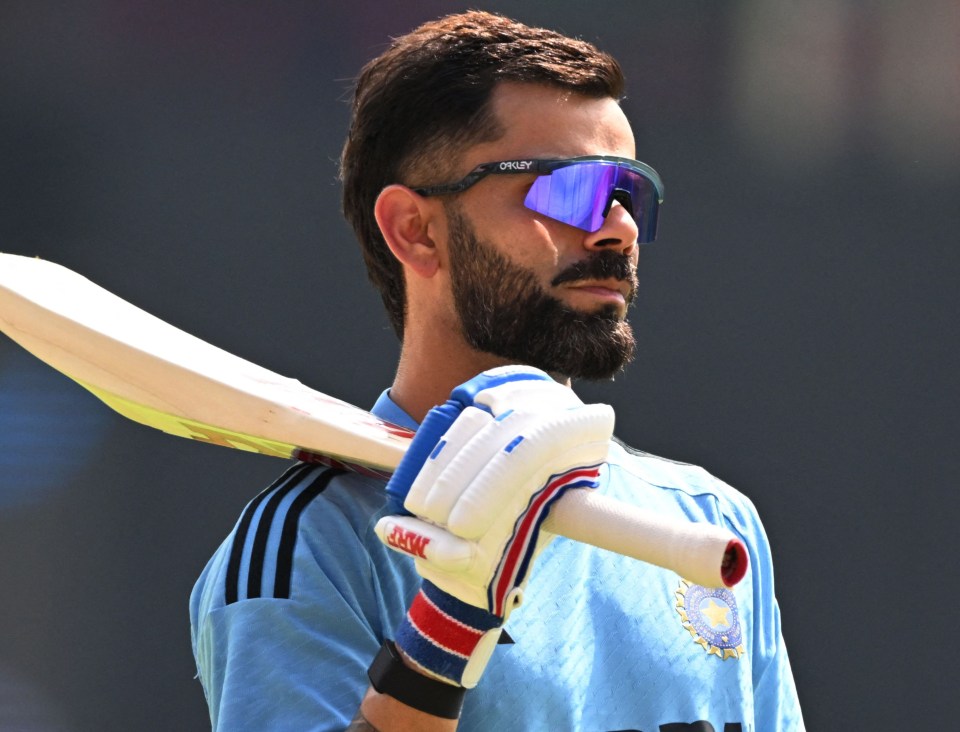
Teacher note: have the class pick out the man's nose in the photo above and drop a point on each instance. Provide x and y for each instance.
(619, 231)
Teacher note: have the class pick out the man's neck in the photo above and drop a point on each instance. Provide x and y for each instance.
(426, 374)
(422, 383)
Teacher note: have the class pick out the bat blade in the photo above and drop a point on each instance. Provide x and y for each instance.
(160, 376)
(155, 374)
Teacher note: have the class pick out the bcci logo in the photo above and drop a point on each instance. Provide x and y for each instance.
(710, 616)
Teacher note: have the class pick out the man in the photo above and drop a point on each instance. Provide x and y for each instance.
(489, 176)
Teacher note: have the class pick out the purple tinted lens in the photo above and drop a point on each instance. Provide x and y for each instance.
(580, 194)
(576, 195)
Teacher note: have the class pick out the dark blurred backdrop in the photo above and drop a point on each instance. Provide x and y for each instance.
(794, 319)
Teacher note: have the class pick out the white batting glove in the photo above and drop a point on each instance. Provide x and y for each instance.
(489, 464)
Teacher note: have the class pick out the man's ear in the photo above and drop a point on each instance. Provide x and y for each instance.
(404, 218)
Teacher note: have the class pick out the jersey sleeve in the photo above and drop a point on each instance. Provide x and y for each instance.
(283, 642)
(700, 496)
(776, 706)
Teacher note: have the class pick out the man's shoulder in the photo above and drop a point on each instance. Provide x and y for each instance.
(355, 496)
(320, 504)
(312, 518)
(683, 483)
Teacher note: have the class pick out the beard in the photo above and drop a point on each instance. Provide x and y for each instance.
(504, 311)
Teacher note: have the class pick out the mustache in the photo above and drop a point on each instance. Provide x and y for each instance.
(603, 265)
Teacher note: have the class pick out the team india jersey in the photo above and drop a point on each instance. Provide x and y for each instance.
(292, 608)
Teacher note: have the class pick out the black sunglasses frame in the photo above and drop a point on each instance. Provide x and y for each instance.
(540, 167)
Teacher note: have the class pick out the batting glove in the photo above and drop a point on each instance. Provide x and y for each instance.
(480, 477)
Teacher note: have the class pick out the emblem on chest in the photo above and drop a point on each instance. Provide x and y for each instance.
(710, 616)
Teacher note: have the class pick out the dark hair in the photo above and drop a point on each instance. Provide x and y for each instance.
(428, 95)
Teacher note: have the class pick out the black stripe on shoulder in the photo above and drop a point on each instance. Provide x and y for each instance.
(232, 584)
(284, 558)
(288, 537)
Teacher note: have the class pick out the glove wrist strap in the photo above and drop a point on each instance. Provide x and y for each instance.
(440, 633)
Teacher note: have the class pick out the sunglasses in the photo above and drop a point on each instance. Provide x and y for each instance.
(579, 191)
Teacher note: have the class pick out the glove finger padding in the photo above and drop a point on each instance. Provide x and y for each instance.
(502, 557)
(533, 445)
(440, 419)
(455, 459)
(526, 396)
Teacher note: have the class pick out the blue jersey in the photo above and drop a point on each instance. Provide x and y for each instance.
(292, 608)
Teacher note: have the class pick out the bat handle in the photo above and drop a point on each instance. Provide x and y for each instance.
(702, 553)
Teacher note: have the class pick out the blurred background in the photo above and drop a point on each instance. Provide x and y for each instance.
(794, 320)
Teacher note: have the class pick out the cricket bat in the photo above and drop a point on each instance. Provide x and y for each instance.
(160, 376)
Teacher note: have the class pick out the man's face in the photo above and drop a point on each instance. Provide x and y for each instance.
(530, 289)
(504, 310)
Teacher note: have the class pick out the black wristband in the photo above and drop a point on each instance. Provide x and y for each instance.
(390, 675)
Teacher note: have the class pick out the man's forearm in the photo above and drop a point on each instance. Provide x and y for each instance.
(382, 713)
